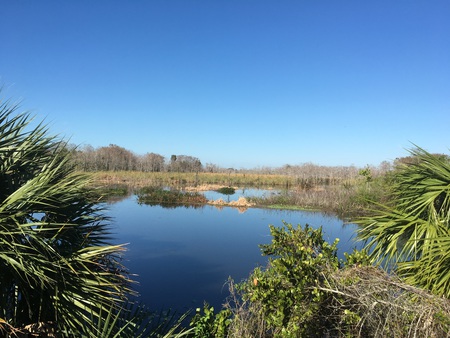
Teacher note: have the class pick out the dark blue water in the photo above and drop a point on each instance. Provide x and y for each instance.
(184, 256)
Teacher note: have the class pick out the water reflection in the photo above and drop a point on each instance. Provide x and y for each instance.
(184, 256)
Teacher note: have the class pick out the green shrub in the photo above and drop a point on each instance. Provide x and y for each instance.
(210, 324)
(288, 289)
(306, 292)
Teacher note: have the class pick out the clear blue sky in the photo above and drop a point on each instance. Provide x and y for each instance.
(237, 83)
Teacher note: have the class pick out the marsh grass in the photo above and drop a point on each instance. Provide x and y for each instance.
(175, 179)
(344, 201)
(170, 198)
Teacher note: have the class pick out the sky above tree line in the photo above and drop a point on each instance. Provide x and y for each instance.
(237, 83)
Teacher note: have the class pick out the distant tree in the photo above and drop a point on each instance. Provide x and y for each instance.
(184, 163)
(384, 167)
(116, 158)
(85, 158)
(212, 168)
(152, 162)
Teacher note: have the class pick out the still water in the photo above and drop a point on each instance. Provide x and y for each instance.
(184, 256)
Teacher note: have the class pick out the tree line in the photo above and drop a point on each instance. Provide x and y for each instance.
(116, 158)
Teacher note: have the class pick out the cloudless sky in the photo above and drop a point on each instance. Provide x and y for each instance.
(237, 83)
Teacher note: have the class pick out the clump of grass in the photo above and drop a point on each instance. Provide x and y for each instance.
(170, 198)
(226, 190)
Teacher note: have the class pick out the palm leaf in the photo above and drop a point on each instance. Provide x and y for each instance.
(56, 261)
(412, 235)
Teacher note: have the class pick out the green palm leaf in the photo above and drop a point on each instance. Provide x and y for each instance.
(56, 263)
(412, 234)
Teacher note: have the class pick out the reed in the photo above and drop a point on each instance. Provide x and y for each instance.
(344, 201)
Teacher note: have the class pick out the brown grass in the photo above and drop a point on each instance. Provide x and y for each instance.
(142, 179)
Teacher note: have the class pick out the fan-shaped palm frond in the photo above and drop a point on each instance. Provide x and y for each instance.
(55, 260)
(412, 235)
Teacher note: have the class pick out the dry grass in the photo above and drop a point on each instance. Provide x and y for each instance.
(142, 179)
(387, 307)
(365, 302)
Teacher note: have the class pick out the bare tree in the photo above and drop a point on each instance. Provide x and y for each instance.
(115, 158)
(151, 162)
(184, 163)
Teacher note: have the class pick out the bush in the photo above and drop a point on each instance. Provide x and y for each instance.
(210, 324)
(306, 292)
(288, 289)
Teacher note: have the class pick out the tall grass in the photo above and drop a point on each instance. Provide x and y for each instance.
(141, 179)
(345, 201)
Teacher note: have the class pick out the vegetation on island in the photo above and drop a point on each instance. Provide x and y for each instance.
(62, 277)
(226, 190)
(170, 198)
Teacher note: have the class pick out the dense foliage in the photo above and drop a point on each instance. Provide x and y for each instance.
(56, 266)
(226, 190)
(299, 261)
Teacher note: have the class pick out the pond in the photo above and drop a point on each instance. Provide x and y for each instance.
(184, 256)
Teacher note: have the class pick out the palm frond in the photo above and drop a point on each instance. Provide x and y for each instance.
(56, 261)
(412, 234)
